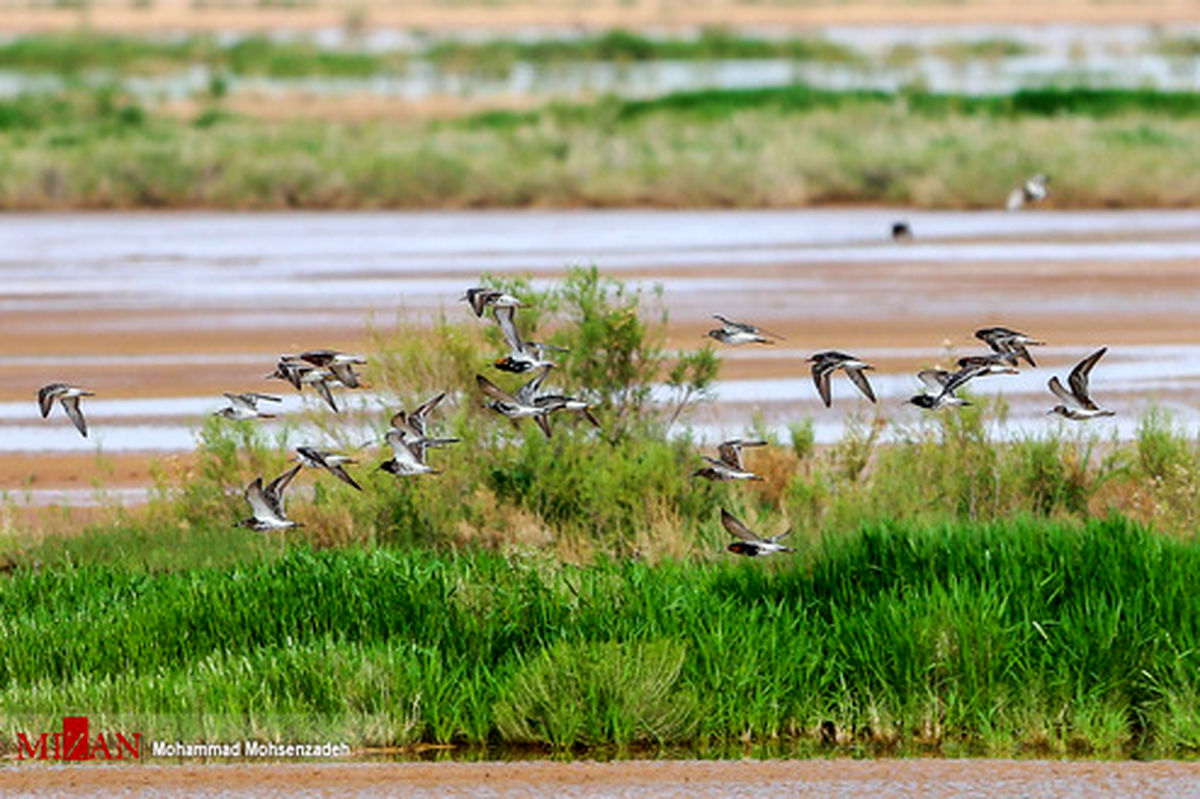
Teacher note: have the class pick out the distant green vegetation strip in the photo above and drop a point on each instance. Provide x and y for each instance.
(1022, 637)
(71, 54)
(753, 148)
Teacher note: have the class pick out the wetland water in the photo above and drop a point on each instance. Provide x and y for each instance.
(160, 313)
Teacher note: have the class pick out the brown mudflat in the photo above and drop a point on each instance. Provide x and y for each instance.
(829, 779)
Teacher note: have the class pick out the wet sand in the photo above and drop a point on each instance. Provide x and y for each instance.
(161, 313)
(827, 779)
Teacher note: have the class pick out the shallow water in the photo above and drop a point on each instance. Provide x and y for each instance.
(160, 313)
(1117, 56)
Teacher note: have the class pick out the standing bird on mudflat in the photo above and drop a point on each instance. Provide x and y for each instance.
(68, 396)
(735, 333)
(1077, 404)
(749, 543)
(729, 466)
(901, 230)
(824, 364)
(266, 504)
(481, 298)
(1032, 191)
(1005, 340)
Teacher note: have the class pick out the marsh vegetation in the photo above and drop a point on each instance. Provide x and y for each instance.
(952, 593)
(103, 149)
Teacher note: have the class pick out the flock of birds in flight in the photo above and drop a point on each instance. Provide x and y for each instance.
(409, 436)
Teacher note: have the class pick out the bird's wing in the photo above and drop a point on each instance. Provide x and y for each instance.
(322, 388)
(46, 395)
(273, 493)
(960, 378)
(345, 373)
(526, 393)
(731, 454)
(318, 357)
(508, 327)
(246, 402)
(934, 379)
(71, 406)
(401, 449)
(777, 538)
(423, 410)
(735, 326)
(1078, 379)
(736, 528)
(859, 378)
(314, 455)
(339, 471)
(492, 390)
(1060, 392)
(258, 501)
(821, 371)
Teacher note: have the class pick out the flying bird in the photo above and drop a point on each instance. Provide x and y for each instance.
(824, 364)
(1007, 341)
(943, 383)
(750, 543)
(523, 356)
(1034, 190)
(994, 363)
(339, 364)
(729, 465)
(408, 458)
(482, 298)
(266, 504)
(735, 333)
(331, 462)
(68, 396)
(1077, 403)
(245, 406)
(521, 405)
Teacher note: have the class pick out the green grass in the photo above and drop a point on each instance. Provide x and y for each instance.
(1013, 638)
(756, 148)
(75, 53)
(950, 593)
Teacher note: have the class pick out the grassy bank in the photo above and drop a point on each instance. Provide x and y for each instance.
(772, 148)
(950, 593)
(1014, 638)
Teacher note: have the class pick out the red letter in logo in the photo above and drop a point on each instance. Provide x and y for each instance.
(124, 746)
(75, 738)
(25, 748)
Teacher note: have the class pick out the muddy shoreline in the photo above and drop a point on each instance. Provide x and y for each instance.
(831, 779)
